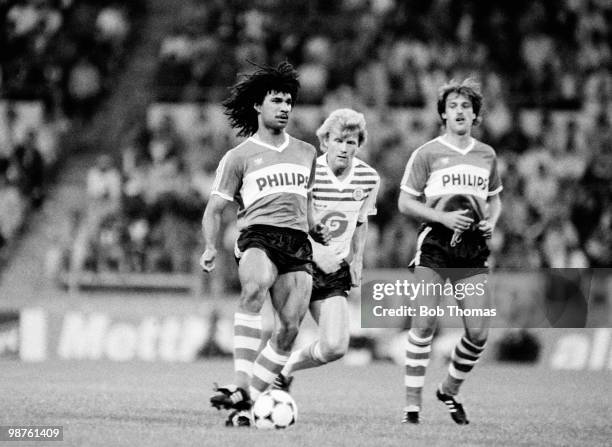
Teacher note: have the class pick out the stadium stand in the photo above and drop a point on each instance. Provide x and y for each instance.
(57, 61)
(548, 108)
(110, 132)
(63, 52)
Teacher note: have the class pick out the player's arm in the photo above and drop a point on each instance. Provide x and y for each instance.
(357, 248)
(410, 205)
(412, 186)
(318, 232)
(495, 209)
(488, 226)
(360, 234)
(211, 224)
(227, 182)
(311, 214)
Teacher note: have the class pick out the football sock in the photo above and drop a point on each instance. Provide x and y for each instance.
(247, 340)
(418, 351)
(464, 357)
(308, 357)
(268, 365)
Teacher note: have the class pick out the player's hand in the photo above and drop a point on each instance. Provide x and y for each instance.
(356, 269)
(457, 220)
(320, 233)
(486, 228)
(325, 258)
(207, 260)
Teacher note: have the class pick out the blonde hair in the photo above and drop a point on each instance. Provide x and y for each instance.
(346, 120)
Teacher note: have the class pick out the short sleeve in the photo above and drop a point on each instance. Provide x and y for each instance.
(368, 208)
(228, 179)
(313, 169)
(495, 185)
(416, 174)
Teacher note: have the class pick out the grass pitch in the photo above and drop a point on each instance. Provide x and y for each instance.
(162, 404)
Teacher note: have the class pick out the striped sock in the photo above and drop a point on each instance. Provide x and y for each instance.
(463, 359)
(418, 351)
(308, 357)
(269, 363)
(247, 340)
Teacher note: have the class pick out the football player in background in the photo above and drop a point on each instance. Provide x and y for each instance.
(344, 195)
(451, 183)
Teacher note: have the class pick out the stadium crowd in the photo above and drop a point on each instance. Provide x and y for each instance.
(544, 66)
(63, 52)
(142, 216)
(391, 52)
(60, 54)
(556, 177)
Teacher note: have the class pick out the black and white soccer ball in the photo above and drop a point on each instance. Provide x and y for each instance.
(274, 409)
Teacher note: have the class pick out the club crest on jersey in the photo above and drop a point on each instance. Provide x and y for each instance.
(358, 193)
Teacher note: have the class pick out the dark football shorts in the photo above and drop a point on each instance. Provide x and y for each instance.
(288, 249)
(337, 283)
(466, 258)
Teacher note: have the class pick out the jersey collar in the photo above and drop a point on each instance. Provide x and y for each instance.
(280, 148)
(340, 184)
(458, 149)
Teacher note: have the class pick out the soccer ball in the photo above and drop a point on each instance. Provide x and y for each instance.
(274, 409)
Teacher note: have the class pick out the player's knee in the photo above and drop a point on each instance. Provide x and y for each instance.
(478, 336)
(252, 296)
(424, 331)
(287, 334)
(332, 350)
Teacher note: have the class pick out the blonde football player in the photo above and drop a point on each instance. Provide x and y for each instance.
(344, 195)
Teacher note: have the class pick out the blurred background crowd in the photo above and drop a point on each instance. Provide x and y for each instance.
(544, 65)
(63, 52)
(57, 60)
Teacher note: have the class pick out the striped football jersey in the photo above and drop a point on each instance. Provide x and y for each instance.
(270, 184)
(440, 172)
(340, 204)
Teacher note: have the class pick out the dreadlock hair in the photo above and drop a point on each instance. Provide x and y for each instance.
(252, 89)
(468, 88)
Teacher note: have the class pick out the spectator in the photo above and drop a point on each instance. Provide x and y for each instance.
(314, 75)
(203, 179)
(166, 143)
(22, 19)
(104, 182)
(12, 210)
(84, 88)
(112, 26)
(514, 141)
(384, 53)
(30, 169)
